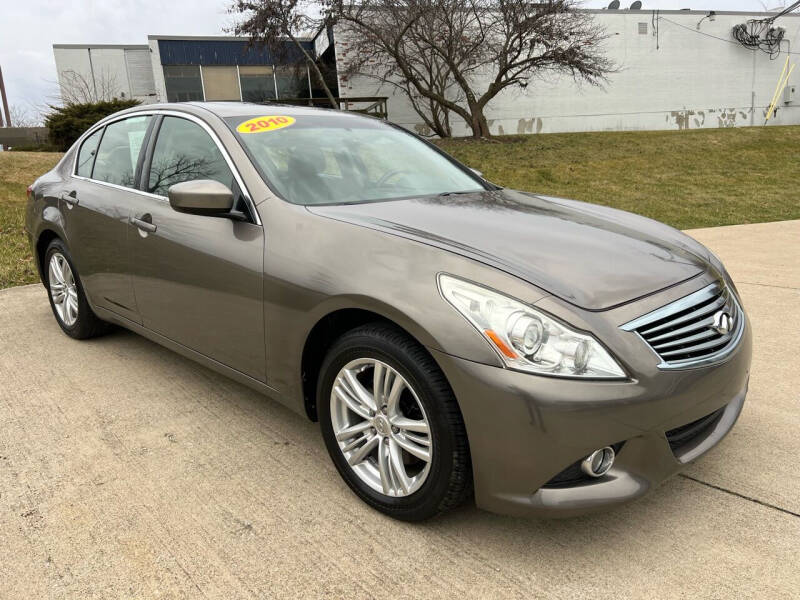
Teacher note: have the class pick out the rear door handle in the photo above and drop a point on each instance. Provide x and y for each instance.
(71, 198)
(143, 225)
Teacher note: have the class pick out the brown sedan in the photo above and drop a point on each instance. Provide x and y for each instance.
(452, 337)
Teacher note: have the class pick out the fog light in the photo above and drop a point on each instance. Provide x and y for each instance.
(598, 462)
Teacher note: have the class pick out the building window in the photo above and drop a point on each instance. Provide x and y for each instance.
(292, 81)
(220, 83)
(140, 72)
(257, 83)
(642, 28)
(183, 84)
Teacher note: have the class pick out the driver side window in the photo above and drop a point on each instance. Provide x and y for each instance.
(185, 152)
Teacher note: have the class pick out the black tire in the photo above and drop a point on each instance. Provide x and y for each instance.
(87, 325)
(449, 480)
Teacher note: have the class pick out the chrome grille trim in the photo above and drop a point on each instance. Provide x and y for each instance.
(681, 332)
(708, 309)
(699, 325)
(692, 338)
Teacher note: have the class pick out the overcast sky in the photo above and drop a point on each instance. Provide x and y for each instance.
(28, 28)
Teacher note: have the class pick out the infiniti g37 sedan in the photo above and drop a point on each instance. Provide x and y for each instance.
(451, 337)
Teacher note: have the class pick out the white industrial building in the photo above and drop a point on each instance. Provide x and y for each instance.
(676, 70)
(106, 70)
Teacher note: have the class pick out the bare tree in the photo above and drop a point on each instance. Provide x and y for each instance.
(77, 88)
(270, 23)
(435, 116)
(365, 58)
(481, 47)
(178, 168)
(22, 117)
(776, 7)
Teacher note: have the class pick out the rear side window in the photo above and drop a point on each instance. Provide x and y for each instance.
(185, 152)
(86, 154)
(119, 151)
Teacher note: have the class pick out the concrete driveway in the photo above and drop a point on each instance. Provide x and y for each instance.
(127, 471)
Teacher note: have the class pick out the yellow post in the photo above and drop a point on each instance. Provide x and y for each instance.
(783, 72)
(781, 86)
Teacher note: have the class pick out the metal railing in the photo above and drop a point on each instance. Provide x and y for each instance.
(374, 106)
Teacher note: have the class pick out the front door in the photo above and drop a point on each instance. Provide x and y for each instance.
(198, 280)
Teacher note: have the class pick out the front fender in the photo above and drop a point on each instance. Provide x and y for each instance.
(373, 305)
(315, 266)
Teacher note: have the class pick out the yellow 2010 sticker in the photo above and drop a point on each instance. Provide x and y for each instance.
(268, 123)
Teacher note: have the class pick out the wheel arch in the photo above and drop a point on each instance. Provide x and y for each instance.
(327, 330)
(46, 236)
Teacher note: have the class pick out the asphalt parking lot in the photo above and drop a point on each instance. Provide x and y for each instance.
(127, 471)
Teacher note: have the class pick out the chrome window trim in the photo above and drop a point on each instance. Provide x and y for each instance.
(121, 187)
(169, 113)
(678, 305)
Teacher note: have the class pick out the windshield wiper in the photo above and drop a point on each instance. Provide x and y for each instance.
(458, 193)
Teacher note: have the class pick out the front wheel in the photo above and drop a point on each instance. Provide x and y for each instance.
(392, 425)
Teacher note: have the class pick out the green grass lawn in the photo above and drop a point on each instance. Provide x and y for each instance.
(17, 171)
(685, 178)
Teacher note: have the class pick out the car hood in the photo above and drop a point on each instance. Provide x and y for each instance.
(591, 256)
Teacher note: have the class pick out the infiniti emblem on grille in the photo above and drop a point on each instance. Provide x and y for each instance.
(722, 323)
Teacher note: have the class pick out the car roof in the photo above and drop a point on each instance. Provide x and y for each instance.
(244, 109)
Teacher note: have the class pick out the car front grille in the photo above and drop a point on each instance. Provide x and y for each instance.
(700, 328)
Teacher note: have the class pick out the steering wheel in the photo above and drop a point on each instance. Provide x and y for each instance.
(387, 176)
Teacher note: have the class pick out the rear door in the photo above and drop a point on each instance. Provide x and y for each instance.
(96, 203)
(198, 280)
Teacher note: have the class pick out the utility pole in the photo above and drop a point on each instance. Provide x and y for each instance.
(5, 101)
(5, 106)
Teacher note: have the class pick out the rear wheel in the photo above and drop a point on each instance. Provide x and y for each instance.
(391, 424)
(67, 298)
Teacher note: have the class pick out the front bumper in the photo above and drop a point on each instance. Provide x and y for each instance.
(525, 429)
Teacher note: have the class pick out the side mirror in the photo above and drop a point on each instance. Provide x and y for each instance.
(201, 197)
(478, 173)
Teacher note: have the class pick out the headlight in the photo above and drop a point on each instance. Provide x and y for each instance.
(527, 339)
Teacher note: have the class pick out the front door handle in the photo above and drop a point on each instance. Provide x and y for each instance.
(143, 225)
(71, 198)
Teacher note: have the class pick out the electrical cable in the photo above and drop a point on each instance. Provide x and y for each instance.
(656, 19)
(721, 39)
(759, 34)
(697, 32)
(786, 10)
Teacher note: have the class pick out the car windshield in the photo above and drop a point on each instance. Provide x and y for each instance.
(333, 159)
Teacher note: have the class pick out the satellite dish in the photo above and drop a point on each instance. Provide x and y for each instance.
(636, 5)
(614, 5)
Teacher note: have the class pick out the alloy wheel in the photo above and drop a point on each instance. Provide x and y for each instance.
(381, 427)
(63, 289)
